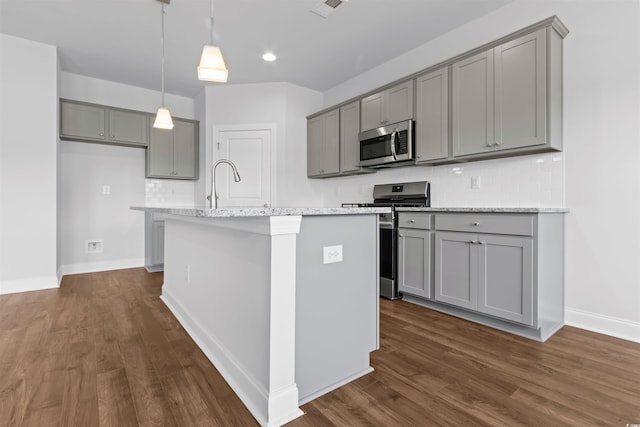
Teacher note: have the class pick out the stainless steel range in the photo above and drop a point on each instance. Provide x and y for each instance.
(407, 194)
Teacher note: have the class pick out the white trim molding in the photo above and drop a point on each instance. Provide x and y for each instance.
(92, 267)
(29, 284)
(619, 328)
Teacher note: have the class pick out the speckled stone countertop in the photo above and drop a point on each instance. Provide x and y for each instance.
(488, 210)
(256, 212)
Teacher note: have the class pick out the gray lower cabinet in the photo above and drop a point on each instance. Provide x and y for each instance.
(505, 270)
(154, 242)
(174, 153)
(80, 121)
(414, 266)
(488, 273)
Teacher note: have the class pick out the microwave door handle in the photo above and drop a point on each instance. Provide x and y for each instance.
(393, 144)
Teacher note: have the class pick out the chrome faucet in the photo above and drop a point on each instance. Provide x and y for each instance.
(213, 196)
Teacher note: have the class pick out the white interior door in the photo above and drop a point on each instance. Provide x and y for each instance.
(249, 149)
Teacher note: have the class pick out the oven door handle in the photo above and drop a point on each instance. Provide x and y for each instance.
(393, 144)
(387, 225)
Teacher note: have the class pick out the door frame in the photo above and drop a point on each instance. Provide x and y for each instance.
(215, 135)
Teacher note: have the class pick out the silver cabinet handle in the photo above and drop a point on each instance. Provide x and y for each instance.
(497, 143)
(412, 221)
(475, 224)
(401, 235)
(472, 242)
(481, 242)
(101, 134)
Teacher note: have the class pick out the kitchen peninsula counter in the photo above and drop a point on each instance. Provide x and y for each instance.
(480, 210)
(283, 301)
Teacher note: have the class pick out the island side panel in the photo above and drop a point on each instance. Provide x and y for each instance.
(218, 279)
(336, 304)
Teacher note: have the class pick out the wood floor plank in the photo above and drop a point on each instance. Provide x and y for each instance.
(105, 350)
(115, 403)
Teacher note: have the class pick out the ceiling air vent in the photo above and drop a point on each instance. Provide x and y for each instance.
(327, 7)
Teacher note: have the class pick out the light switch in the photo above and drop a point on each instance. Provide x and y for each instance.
(331, 254)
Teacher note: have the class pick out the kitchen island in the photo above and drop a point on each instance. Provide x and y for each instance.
(283, 301)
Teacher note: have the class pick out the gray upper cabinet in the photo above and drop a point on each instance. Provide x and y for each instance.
(392, 105)
(500, 101)
(349, 142)
(81, 121)
(174, 153)
(323, 144)
(432, 116)
(472, 113)
(128, 127)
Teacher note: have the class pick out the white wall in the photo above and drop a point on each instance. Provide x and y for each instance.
(87, 213)
(599, 163)
(283, 105)
(28, 175)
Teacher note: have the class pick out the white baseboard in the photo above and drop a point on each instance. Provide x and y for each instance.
(30, 284)
(602, 324)
(92, 267)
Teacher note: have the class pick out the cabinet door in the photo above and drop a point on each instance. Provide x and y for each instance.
(82, 121)
(157, 244)
(185, 150)
(505, 285)
(414, 262)
(349, 142)
(331, 154)
(160, 154)
(432, 116)
(472, 114)
(315, 145)
(372, 111)
(520, 92)
(456, 269)
(128, 127)
(398, 103)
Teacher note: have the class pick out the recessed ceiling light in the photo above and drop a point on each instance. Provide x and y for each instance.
(269, 57)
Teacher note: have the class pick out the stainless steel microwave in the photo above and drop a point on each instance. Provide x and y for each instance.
(386, 146)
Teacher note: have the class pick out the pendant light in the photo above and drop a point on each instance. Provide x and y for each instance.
(163, 117)
(212, 67)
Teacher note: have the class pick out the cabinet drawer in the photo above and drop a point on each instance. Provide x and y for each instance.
(414, 220)
(521, 225)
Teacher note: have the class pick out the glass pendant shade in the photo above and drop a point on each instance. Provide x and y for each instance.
(163, 119)
(212, 67)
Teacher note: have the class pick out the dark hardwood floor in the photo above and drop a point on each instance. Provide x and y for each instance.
(104, 350)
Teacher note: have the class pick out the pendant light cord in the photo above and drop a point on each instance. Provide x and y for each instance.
(211, 22)
(162, 44)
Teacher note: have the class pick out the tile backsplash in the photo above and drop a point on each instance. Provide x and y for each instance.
(167, 192)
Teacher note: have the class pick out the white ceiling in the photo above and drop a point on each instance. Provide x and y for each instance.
(119, 40)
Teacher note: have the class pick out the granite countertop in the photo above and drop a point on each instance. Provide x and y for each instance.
(490, 210)
(258, 212)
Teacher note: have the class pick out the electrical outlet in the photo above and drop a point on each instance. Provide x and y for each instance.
(475, 182)
(331, 254)
(93, 246)
(106, 189)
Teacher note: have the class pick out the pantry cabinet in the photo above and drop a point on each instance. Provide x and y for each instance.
(500, 97)
(174, 153)
(391, 105)
(80, 121)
